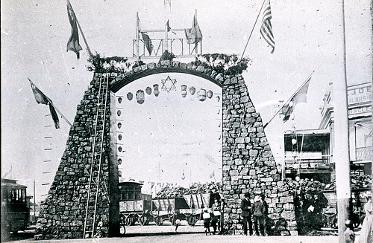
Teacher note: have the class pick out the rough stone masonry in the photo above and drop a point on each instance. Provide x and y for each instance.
(248, 163)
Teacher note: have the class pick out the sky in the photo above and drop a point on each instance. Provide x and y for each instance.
(308, 36)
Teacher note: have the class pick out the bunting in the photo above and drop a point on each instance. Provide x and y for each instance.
(148, 42)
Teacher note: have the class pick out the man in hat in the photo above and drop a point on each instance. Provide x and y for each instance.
(258, 214)
(246, 213)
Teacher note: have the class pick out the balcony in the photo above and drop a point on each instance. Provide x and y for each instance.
(364, 154)
(307, 166)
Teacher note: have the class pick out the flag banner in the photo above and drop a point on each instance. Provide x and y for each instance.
(194, 34)
(168, 26)
(39, 96)
(266, 28)
(156, 90)
(54, 116)
(147, 42)
(73, 42)
(299, 97)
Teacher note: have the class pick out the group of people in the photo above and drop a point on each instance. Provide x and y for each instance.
(258, 211)
(211, 218)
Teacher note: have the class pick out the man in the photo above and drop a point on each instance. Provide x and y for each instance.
(246, 213)
(258, 214)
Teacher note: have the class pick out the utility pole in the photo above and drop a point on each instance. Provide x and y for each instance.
(34, 202)
(341, 146)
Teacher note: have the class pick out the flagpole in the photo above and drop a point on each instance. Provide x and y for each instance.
(81, 31)
(256, 20)
(62, 115)
(289, 99)
(137, 36)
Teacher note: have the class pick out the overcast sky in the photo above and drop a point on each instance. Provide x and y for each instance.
(34, 36)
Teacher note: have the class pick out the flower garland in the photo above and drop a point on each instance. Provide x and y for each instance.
(220, 63)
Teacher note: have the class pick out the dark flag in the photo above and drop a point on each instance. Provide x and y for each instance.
(41, 98)
(266, 28)
(194, 34)
(147, 42)
(168, 26)
(73, 42)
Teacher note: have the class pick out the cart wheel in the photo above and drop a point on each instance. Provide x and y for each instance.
(159, 221)
(192, 220)
(143, 219)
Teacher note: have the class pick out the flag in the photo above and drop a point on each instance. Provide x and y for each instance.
(168, 26)
(138, 22)
(147, 42)
(298, 97)
(41, 98)
(266, 28)
(194, 34)
(73, 42)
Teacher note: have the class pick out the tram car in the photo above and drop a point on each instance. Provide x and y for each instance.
(15, 207)
(138, 207)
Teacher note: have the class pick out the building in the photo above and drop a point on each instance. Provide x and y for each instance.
(308, 153)
(360, 124)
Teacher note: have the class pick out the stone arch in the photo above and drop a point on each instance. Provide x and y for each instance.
(248, 164)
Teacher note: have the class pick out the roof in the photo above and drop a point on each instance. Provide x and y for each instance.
(11, 183)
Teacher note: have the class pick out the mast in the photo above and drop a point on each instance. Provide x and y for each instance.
(341, 134)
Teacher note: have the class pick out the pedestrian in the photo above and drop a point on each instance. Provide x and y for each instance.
(246, 213)
(349, 232)
(265, 213)
(177, 219)
(215, 215)
(366, 233)
(258, 215)
(206, 220)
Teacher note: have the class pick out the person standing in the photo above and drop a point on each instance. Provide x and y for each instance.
(215, 215)
(366, 233)
(206, 221)
(258, 215)
(265, 213)
(246, 213)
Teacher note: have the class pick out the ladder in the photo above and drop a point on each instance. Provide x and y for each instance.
(93, 189)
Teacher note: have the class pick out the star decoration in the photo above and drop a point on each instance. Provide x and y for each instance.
(168, 84)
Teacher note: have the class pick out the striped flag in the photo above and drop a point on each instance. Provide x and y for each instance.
(266, 28)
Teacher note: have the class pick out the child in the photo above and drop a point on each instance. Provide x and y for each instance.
(349, 232)
(206, 221)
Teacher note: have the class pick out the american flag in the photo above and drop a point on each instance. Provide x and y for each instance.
(266, 28)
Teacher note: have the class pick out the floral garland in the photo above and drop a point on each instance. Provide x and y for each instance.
(113, 64)
(220, 63)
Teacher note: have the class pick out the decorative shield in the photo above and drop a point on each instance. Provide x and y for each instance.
(140, 96)
(119, 161)
(120, 149)
(192, 90)
(202, 95)
(119, 125)
(209, 94)
(120, 100)
(183, 90)
(129, 96)
(120, 137)
(156, 89)
(119, 113)
(148, 90)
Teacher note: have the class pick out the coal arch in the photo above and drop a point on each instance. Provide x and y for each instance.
(247, 161)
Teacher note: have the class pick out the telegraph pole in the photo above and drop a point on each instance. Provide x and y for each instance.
(341, 156)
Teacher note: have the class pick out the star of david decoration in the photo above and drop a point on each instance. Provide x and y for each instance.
(168, 84)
